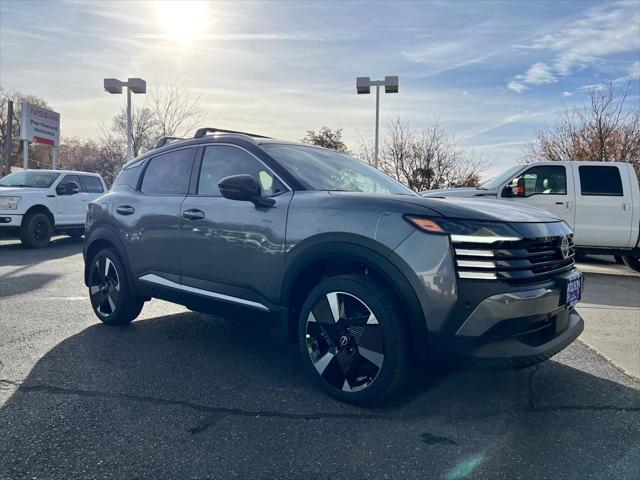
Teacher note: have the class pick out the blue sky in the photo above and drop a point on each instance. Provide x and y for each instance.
(492, 72)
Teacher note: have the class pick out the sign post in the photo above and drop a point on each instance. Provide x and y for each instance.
(39, 125)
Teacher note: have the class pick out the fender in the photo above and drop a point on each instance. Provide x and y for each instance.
(105, 233)
(367, 251)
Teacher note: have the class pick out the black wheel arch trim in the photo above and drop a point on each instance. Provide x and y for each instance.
(103, 233)
(369, 252)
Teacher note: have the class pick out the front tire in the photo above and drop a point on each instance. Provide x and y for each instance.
(632, 262)
(111, 297)
(36, 230)
(353, 339)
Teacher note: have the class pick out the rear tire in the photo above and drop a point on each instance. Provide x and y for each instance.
(632, 262)
(353, 339)
(111, 296)
(36, 230)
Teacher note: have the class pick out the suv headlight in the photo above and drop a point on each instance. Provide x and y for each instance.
(468, 231)
(9, 203)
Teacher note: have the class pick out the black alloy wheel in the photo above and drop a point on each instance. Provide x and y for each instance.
(105, 286)
(353, 339)
(36, 230)
(111, 297)
(344, 341)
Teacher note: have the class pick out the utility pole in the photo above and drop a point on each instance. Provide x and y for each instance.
(6, 147)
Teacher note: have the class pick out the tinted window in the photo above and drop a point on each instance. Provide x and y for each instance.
(128, 176)
(223, 161)
(168, 174)
(600, 181)
(71, 178)
(545, 180)
(323, 169)
(91, 184)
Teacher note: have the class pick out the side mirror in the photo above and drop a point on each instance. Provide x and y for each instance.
(514, 189)
(244, 187)
(68, 188)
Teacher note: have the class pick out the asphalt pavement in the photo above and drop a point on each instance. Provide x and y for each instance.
(183, 395)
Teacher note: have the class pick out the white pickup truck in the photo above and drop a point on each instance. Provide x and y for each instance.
(35, 204)
(601, 201)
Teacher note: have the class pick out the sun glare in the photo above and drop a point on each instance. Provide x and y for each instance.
(183, 21)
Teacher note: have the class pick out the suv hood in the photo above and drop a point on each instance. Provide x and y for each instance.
(483, 209)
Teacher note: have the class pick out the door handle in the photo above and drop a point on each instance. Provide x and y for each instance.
(193, 214)
(125, 210)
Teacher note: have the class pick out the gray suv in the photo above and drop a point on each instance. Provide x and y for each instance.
(368, 276)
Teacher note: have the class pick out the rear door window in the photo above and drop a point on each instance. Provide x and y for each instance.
(91, 184)
(168, 173)
(600, 180)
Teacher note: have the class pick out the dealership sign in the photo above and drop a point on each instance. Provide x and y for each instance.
(40, 125)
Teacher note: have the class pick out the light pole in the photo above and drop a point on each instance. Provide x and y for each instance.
(363, 85)
(135, 85)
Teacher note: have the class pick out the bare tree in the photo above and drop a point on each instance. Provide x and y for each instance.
(327, 138)
(39, 155)
(105, 158)
(605, 129)
(176, 111)
(426, 160)
(145, 130)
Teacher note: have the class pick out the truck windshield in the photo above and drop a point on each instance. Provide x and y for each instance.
(500, 178)
(31, 178)
(322, 169)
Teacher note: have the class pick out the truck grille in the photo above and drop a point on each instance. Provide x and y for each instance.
(522, 261)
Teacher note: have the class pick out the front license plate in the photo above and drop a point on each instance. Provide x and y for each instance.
(574, 291)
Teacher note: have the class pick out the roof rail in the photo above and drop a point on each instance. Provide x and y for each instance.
(162, 141)
(201, 132)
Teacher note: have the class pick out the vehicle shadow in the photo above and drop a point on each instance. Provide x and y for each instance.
(15, 255)
(11, 285)
(189, 395)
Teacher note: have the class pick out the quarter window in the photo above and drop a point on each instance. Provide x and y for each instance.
(597, 180)
(91, 184)
(168, 173)
(545, 180)
(222, 161)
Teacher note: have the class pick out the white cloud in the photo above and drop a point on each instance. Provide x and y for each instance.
(603, 31)
(538, 74)
(566, 94)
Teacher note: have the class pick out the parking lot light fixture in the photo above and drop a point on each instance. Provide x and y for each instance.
(135, 85)
(363, 86)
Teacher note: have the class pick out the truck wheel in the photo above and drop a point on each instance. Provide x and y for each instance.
(111, 297)
(36, 230)
(632, 262)
(353, 339)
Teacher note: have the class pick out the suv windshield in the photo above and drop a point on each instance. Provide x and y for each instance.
(322, 169)
(31, 178)
(499, 179)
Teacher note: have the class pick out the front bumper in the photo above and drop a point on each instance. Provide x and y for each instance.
(517, 328)
(10, 220)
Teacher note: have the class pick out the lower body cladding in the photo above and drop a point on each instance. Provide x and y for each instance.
(513, 329)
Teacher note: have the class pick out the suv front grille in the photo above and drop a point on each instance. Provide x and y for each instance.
(522, 261)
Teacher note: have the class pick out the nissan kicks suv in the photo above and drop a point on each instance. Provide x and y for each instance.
(368, 276)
